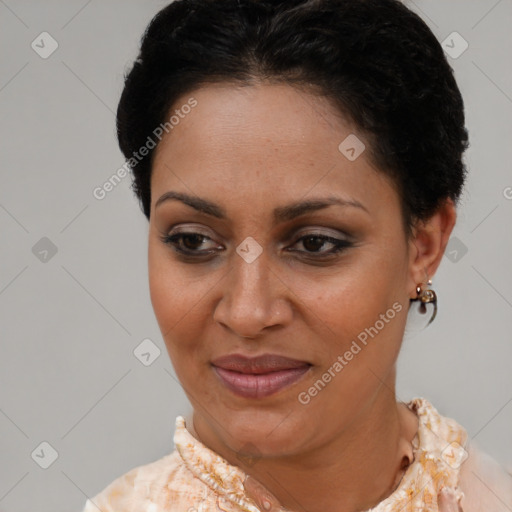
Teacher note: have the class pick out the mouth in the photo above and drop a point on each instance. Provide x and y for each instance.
(258, 377)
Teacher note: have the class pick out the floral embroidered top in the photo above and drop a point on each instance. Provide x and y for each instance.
(193, 478)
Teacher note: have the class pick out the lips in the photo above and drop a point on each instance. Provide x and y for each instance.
(258, 377)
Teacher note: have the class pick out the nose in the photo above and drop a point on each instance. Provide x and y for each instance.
(254, 298)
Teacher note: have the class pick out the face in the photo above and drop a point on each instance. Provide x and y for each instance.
(293, 251)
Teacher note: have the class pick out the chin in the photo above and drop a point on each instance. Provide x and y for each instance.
(265, 433)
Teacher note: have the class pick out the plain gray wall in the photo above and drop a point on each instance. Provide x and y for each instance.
(69, 324)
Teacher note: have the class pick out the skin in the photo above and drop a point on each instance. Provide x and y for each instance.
(250, 150)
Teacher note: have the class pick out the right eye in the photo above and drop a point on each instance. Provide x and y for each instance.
(187, 243)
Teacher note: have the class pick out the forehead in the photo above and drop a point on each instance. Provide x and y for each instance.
(257, 117)
(263, 141)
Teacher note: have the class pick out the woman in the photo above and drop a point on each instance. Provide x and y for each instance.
(299, 163)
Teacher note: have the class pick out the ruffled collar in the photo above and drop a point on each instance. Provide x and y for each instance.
(437, 448)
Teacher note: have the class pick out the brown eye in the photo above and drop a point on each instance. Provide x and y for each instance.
(315, 242)
(192, 241)
(189, 243)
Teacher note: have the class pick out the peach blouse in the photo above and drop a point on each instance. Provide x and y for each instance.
(193, 478)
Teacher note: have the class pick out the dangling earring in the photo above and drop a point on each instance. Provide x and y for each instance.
(426, 296)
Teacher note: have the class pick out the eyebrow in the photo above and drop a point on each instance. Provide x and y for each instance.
(280, 214)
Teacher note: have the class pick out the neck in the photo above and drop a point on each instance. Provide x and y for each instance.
(353, 472)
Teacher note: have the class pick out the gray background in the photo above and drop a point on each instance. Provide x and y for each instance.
(70, 322)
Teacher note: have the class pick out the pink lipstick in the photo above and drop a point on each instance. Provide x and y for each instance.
(258, 377)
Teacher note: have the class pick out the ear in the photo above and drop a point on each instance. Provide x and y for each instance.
(428, 243)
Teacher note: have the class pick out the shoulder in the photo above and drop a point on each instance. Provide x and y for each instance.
(145, 487)
(487, 485)
(451, 459)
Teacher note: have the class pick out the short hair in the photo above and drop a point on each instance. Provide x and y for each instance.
(376, 60)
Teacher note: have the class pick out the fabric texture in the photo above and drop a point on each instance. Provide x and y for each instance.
(194, 478)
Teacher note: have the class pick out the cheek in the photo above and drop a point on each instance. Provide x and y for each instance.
(179, 295)
(163, 284)
(361, 309)
(353, 298)
(175, 300)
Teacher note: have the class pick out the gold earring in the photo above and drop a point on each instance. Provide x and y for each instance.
(426, 296)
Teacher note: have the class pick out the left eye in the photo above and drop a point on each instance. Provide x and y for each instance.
(313, 242)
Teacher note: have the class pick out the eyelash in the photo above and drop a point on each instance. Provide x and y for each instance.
(339, 245)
